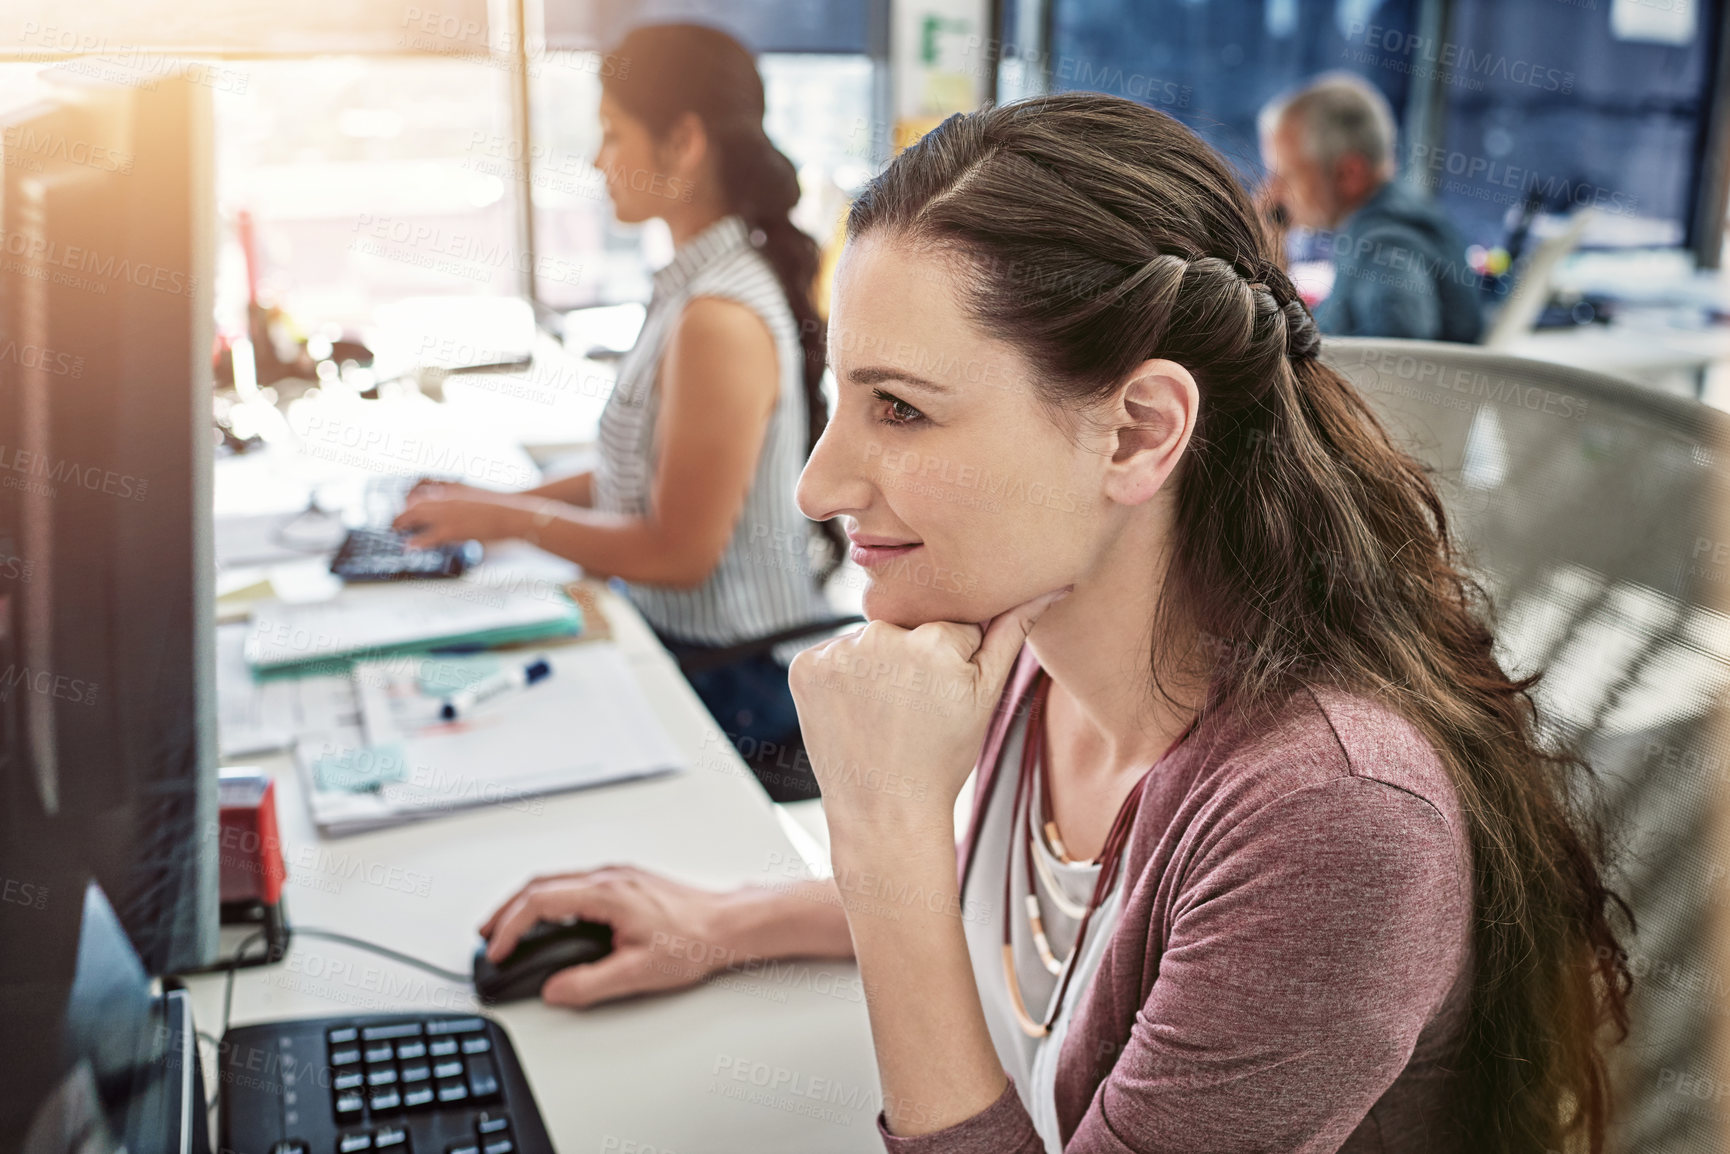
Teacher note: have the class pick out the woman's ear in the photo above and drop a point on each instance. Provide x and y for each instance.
(1153, 417)
(685, 148)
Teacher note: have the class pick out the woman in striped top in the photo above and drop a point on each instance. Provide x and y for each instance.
(716, 407)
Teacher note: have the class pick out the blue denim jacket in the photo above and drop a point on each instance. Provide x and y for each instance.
(1400, 271)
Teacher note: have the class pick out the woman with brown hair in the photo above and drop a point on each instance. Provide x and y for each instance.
(715, 409)
(1267, 851)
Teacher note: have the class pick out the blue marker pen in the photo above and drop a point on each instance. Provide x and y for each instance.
(505, 680)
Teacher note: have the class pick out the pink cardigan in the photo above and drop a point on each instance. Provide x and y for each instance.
(1292, 966)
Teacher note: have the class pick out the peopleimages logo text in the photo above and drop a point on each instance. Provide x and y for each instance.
(94, 478)
(40, 252)
(1455, 61)
(74, 689)
(38, 144)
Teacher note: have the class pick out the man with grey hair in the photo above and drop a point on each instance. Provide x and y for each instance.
(1399, 267)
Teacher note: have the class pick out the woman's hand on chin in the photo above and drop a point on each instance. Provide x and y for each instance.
(894, 719)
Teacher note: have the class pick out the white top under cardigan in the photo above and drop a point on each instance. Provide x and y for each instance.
(1031, 1062)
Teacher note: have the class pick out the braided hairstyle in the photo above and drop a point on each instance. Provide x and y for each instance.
(1094, 234)
(660, 72)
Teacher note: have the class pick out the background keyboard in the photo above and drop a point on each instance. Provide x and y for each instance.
(389, 1083)
(385, 555)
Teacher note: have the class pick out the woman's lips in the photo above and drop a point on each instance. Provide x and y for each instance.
(870, 556)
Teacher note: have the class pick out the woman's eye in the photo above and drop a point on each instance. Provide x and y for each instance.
(900, 412)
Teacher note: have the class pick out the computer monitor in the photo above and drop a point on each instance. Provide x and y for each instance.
(1519, 313)
(103, 1063)
(107, 742)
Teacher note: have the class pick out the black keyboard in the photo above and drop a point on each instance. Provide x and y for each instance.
(385, 555)
(389, 1083)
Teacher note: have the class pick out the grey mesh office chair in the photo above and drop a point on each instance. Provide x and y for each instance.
(1597, 513)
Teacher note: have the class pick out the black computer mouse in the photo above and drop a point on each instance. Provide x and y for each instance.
(544, 950)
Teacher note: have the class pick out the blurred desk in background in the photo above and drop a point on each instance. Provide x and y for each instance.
(1668, 331)
(551, 408)
(1672, 360)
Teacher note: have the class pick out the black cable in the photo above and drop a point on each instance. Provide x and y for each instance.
(239, 956)
(405, 959)
(228, 983)
(216, 1098)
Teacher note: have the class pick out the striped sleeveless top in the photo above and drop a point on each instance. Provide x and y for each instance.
(764, 581)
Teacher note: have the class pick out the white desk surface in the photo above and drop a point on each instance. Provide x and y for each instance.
(778, 1059)
(1685, 362)
(1623, 349)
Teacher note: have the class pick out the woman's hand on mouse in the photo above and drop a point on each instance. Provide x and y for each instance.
(664, 932)
(894, 719)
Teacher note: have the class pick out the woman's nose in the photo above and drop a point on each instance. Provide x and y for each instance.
(834, 480)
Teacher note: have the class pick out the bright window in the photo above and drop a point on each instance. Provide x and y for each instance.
(816, 106)
(364, 181)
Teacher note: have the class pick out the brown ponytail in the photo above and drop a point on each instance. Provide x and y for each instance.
(1309, 549)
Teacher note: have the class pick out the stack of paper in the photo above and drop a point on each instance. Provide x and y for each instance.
(259, 715)
(586, 724)
(411, 617)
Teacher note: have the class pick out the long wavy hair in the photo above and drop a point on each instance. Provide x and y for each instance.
(660, 72)
(1308, 548)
